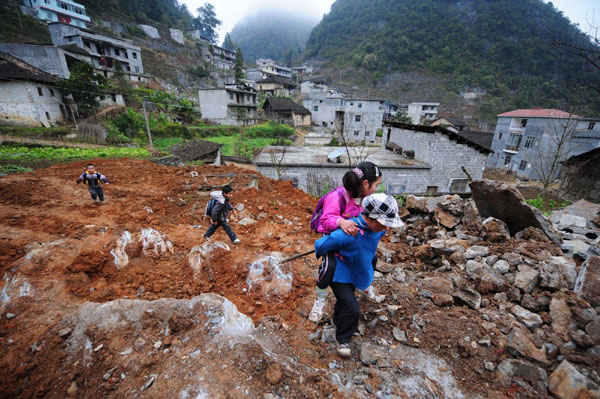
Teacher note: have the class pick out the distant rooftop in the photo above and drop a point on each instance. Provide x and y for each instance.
(317, 157)
(538, 113)
(278, 79)
(285, 104)
(12, 68)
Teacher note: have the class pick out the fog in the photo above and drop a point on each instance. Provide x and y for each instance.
(233, 11)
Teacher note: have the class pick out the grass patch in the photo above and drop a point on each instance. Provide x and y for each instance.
(18, 154)
(167, 142)
(14, 169)
(36, 132)
(547, 206)
(232, 145)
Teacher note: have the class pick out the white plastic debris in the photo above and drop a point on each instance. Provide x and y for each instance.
(152, 238)
(119, 255)
(14, 287)
(266, 275)
(200, 253)
(148, 209)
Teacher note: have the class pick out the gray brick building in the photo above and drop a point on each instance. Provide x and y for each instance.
(526, 140)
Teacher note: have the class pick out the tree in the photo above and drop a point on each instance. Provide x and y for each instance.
(208, 22)
(228, 44)
(86, 87)
(239, 66)
(402, 116)
(554, 147)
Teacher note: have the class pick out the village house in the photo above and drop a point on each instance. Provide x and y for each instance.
(65, 11)
(421, 113)
(284, 110)
(50, 59)
(234, 104)
(217, 56)
(580, 175)
(106, 52)
(314, 86)
(359, 118)
(276, 86)
(450, 122)
(270, 68)
(301, 70)
(525, 140)
(28, 96)
(444, 150)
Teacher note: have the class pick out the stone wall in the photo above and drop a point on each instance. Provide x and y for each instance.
(21, 104)
(445, 156)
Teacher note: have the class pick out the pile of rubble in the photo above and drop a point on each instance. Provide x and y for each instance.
(539, 307)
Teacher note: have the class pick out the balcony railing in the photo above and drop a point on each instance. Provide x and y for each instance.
(511, 148)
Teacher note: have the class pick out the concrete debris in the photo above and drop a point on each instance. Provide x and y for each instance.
(503, 201)
(558, 272)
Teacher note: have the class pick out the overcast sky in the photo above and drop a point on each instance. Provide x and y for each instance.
(231, 11)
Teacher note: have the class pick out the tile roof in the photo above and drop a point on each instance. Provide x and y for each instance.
(279, 80)
(285, 104)
(538, 113)
(12, 68)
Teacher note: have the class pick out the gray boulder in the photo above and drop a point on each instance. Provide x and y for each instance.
(587, 284)
(558, 272)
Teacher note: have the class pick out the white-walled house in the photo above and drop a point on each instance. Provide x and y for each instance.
(28, 96)
(234, 104)
(420, 113)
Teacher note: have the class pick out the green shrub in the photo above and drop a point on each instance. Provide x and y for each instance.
(14, 169)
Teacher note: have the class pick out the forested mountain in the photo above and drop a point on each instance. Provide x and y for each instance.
(272, 34)
(166, 12)
(504, 47)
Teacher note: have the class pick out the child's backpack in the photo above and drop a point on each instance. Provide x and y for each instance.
(209, 206)
(315, 222)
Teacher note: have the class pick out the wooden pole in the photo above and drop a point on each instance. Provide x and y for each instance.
(147, 126)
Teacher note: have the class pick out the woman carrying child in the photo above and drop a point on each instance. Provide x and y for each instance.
(339, 206)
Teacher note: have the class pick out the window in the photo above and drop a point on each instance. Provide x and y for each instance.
(51, 92)
(591, 126)
(231, 96)
(522, 165)
(529, 140)
(40, 92)
(367, 134)
(507, 159)
(128, 68)
(357, 118)
(47, 116)
(499, 136)
(523, 122)
(514, 142)
(137, 68)
(134, 54)
(117, 52)
(458, 185)
(432, 189)
(359, 105)
(114, 97)
(87, 44)
(351, 103)
(356, 132)
(316, 108)
(320, 101)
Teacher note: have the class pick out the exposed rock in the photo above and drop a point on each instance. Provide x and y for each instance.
(150, 31)
(490, 281)
(399, 275)
(519, 343)
(468, 295)
(566, 382)
(528, 372)
(503, 201)
(526, 278)
(561, 317)
(370, 355)
(399, 335)
(538, 303)
(423, 204)
(474, 269)
(501, 266)
(436, 285)
(385, 267)
(575, 248)
(476, 251)
(568, 220)
(495, 230)
(557, 272)
(588, 281)
(441, 299)
(471, 220)
(72, 390)
(593, 330)
(177, 35)
(529, 319)
(446, 219)
(246, 222)
(65, 332)
(274, 374)
(447, 247)
(512, 258)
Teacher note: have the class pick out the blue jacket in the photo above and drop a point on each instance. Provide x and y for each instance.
(355, 264)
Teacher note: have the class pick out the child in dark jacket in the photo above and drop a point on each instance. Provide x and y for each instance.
(93, 180)
(354, 261)
(219, 214)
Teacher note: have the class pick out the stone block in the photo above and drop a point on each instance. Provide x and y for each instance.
(566, 382)
(587, 284)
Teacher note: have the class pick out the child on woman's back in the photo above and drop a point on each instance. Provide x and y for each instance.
(338, 207)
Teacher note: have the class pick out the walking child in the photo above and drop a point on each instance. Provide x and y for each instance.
(94, 181)
(339, 207)
(219, 213)
(354, 264)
